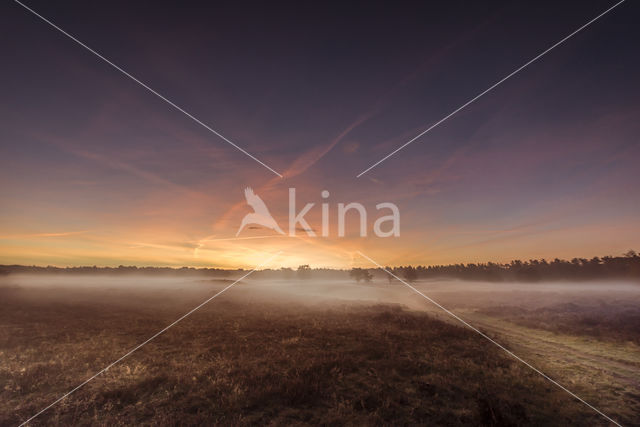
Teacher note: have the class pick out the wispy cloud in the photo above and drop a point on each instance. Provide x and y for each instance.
(39, 235)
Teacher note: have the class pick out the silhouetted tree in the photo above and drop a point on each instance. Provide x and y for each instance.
(304, 271)
(360, 274)
(389, 276)
(409, 273)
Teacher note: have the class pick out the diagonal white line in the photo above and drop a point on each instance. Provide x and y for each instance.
(177, 107)
(147, 341)
(509, 352)
(472, 100)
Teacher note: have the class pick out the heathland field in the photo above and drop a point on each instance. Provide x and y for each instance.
(310, 352)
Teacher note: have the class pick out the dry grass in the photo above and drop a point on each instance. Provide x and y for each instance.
(237, 362)
(614, 322)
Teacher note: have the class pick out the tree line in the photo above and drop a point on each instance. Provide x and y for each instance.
(626, 266)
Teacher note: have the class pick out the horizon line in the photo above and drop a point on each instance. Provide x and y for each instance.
(629, 254)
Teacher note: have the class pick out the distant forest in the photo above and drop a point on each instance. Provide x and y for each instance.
(626, 266)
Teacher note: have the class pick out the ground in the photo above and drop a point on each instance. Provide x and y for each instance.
(247, 359)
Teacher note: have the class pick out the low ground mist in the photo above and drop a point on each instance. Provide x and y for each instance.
(316, 351)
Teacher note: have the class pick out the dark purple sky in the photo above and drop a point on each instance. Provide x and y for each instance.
(95, 169)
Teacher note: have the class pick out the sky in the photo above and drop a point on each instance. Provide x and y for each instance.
(96, 170)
